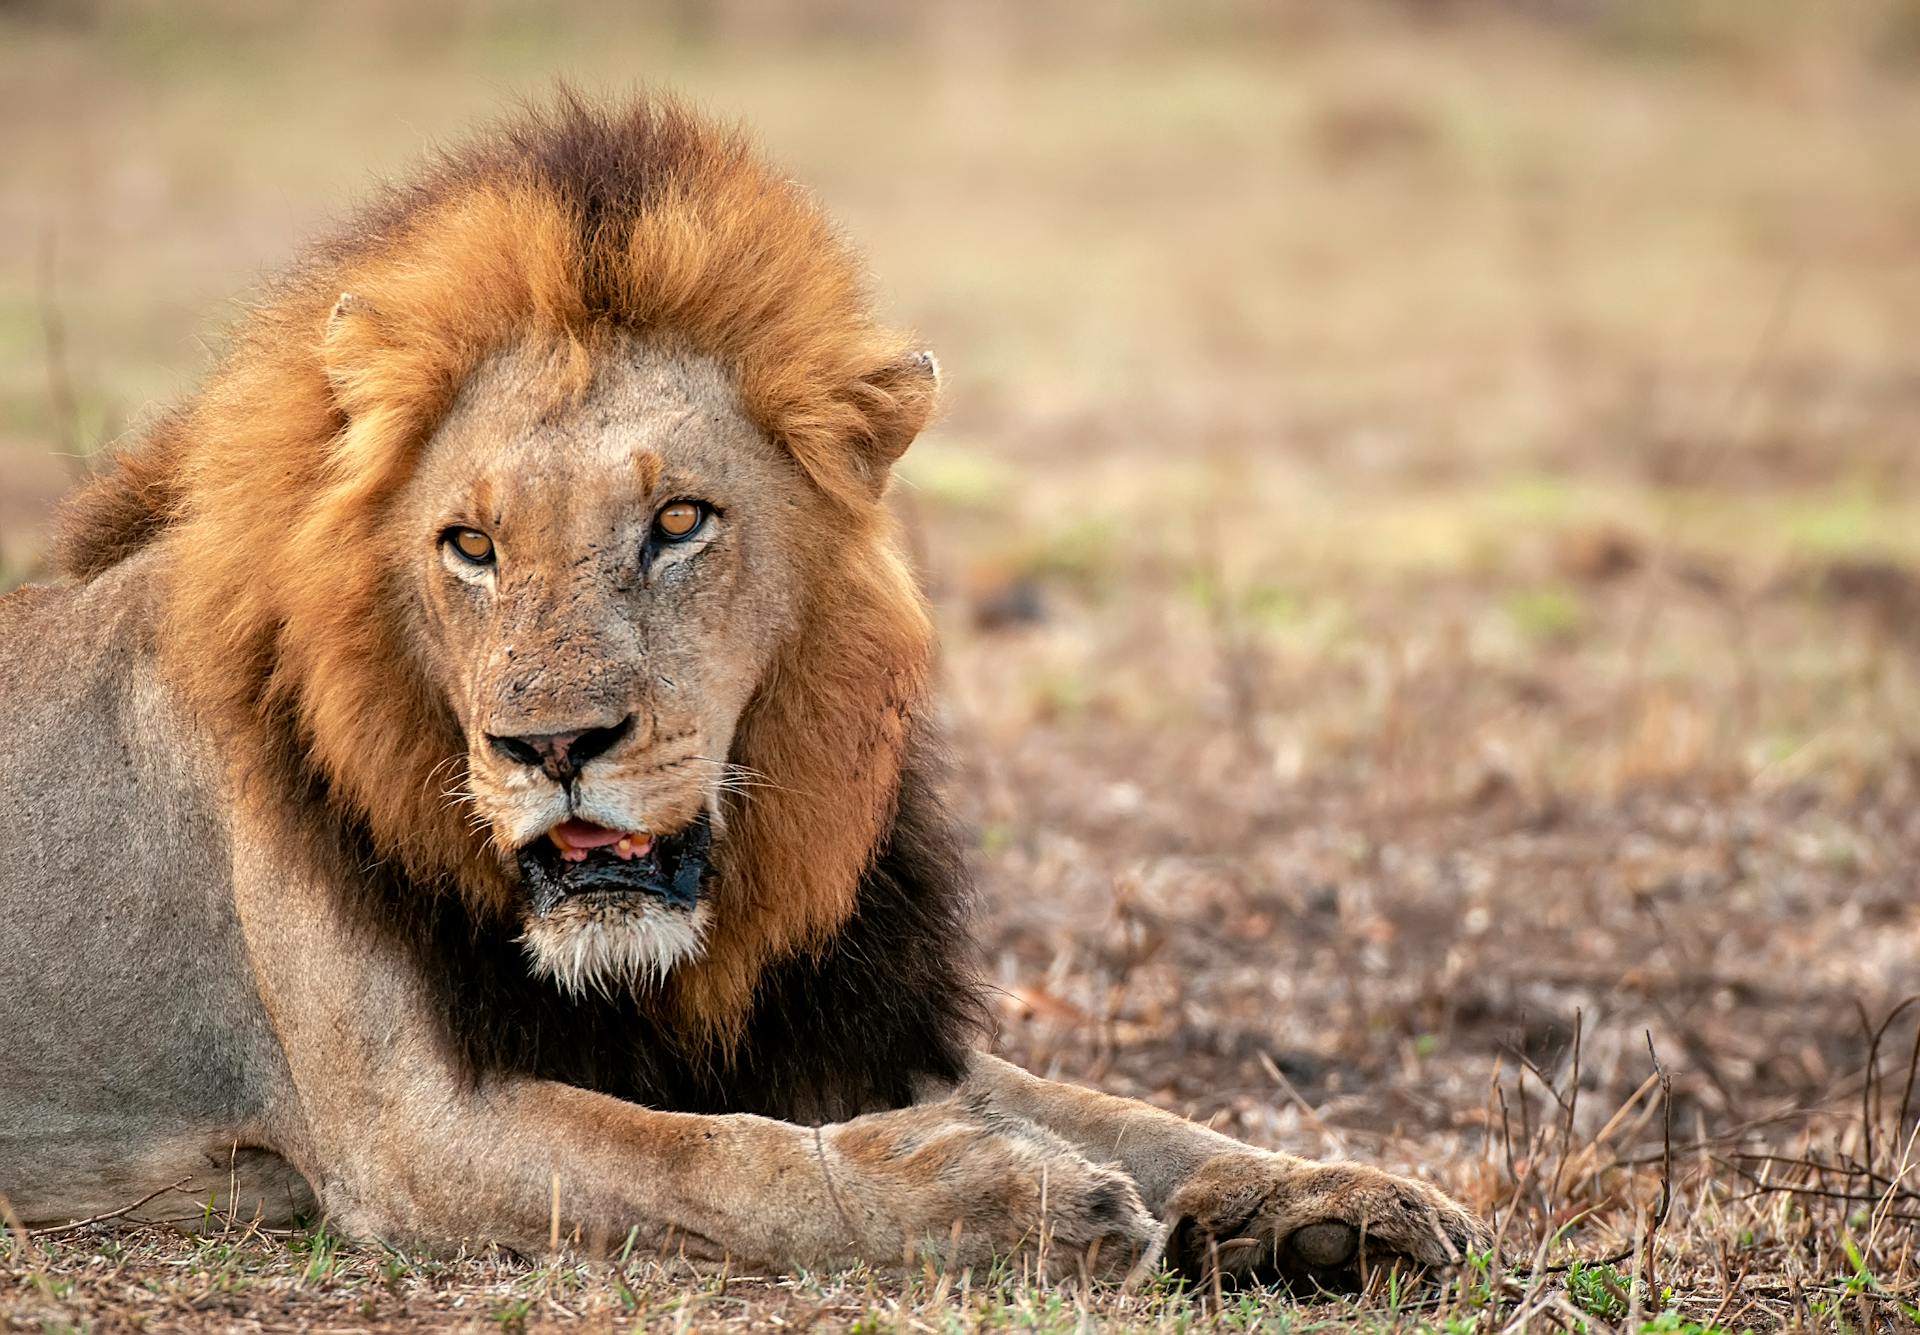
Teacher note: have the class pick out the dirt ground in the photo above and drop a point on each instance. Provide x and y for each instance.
(1427, 539)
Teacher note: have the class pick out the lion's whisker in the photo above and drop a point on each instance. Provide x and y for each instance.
(440, 768)
(738, 778)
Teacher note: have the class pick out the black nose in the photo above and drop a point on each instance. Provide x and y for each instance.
(560, 755)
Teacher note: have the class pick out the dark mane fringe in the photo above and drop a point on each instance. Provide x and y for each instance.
(121, 510)
(895, 998)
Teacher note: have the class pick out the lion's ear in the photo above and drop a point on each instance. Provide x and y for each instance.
(350, 329)
(898, 400)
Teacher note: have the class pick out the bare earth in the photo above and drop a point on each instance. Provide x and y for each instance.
(1427, 534)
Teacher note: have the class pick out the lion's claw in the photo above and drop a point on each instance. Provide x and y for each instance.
(1265, 1217)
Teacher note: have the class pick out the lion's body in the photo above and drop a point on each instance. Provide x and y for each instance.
(477, 765)
(138, 1053)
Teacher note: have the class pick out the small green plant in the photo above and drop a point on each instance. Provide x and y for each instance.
(1670, 1322)
(321, 1250)
(1476, 1279)
(1598, 1290)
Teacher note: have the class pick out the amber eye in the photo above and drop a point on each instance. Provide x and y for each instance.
(680, 520)
(472, 544)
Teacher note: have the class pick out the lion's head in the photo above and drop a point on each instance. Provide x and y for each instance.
(607, 572)
(534, 528)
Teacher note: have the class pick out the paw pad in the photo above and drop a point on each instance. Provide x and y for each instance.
(1327, 1245)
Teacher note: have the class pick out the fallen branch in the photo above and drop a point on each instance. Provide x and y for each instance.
(52, 1230)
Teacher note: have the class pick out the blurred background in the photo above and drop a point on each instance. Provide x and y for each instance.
(1426, 524)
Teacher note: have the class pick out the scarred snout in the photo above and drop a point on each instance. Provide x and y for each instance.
(576, 783)
(560, 755)
(604, 790)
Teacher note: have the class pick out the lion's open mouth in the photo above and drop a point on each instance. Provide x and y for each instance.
(576, 858)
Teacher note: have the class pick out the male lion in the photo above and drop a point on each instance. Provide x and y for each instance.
(475, 765)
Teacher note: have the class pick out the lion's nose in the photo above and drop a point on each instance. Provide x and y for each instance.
(560, 755)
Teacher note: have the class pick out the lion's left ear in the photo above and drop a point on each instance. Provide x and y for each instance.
(898, 401)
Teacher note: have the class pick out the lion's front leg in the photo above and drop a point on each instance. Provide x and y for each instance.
(1249, 1212)
(927, 1183)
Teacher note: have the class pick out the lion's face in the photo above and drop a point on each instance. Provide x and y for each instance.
(605, 577)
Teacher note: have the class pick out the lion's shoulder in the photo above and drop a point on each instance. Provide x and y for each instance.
(86, 640)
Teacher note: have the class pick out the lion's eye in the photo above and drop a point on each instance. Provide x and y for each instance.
(472, 544)
(679, 521)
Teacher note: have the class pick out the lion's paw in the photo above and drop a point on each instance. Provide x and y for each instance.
(967, 1191)
(1265, 1217)
(1092, 1218)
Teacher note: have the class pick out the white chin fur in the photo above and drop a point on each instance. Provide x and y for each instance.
(608, 943)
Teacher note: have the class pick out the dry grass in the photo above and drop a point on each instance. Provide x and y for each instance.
(1426, 540)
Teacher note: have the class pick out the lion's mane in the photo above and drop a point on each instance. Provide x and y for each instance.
(838, 947)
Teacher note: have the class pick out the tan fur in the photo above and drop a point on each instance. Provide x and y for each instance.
(268, 654)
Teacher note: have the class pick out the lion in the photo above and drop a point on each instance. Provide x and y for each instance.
(473, 779)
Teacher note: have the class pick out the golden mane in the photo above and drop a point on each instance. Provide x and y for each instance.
(269, 487)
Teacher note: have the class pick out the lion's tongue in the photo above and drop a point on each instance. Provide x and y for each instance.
(575, 838)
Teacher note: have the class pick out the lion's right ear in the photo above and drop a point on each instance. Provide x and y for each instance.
(351, 333)
(898, 400)
(384, 392)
